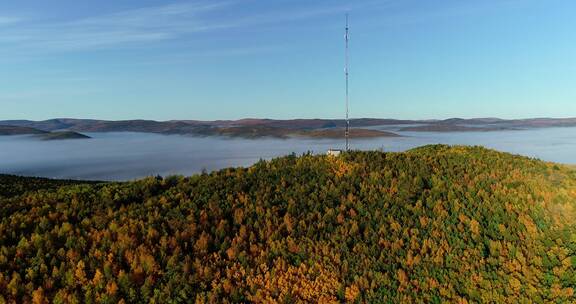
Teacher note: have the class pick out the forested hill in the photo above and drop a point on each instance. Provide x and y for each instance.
(431, 225)
(12, 185)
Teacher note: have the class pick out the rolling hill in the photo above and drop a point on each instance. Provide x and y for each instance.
(17, 130)
(6, 130)
(453, 128)
(246, 128)
(339, 133)
(431, 225)
(62, 135)
(314, 128)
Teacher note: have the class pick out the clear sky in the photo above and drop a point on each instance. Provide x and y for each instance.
(220, 59)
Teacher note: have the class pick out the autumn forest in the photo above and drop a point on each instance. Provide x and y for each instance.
(434, 224)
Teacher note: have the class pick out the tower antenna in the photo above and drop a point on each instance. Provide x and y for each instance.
(347, 71)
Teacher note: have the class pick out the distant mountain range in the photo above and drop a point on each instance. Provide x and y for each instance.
(254, 128)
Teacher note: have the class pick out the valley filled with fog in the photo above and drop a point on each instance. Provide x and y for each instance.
(126, 156)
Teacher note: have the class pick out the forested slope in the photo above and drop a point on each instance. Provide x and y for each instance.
(431, 225)
(12, 185)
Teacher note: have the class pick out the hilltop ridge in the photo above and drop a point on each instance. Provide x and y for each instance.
(433, 224)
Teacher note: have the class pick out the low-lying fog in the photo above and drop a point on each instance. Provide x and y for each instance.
(124, 156)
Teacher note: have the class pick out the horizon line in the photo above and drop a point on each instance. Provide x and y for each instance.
(291, 119)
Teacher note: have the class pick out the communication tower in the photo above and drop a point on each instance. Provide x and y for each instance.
(347, 72)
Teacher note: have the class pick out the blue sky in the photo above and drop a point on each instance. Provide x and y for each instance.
(220, 59)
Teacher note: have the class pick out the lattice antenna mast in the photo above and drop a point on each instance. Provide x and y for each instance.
(347, 71)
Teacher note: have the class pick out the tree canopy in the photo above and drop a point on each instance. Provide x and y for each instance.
(431, 225)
